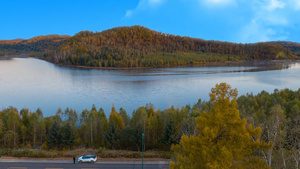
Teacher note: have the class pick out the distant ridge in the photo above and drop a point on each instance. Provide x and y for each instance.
(13, 41)
(293, 46)
(35, 44)
(138, 46)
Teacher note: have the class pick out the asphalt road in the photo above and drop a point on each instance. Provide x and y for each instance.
(70, 165)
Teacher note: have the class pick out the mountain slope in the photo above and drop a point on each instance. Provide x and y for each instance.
(36, 44)
(137, 46)
(292, 46)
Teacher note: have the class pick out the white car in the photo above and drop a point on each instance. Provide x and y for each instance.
(87, 158)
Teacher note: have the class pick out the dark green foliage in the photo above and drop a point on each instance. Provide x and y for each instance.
(137, 139)
(131, 138)
(169, 137)
(54, 136)
(67, 136)
(127, 138)
(112, 135)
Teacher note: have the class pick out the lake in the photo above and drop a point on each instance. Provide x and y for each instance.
(32, 83)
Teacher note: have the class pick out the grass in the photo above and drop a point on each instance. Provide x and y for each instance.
(101, 152)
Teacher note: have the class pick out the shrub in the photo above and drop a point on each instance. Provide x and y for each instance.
(44, 146)
(101, 149)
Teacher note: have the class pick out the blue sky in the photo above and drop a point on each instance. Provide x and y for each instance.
(241, 21)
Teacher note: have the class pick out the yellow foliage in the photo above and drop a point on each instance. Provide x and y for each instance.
(223, 141)
(115, 117)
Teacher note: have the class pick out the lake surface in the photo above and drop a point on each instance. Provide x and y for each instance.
(32, 83)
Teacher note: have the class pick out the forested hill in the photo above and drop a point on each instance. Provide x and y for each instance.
(137, 46)
(40, 44)
(293, 46)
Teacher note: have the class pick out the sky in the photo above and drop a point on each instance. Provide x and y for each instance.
(240, 21)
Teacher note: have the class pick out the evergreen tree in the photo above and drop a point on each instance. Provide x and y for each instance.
(112, 134)
(169, 136)
(124, 116)
(138, 131)
(54, 137)
(127, 138)
(67, 136)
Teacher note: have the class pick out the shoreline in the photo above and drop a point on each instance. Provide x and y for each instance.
(9, 57)
(212, 64)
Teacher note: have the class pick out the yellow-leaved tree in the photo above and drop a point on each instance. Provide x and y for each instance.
(223, 139)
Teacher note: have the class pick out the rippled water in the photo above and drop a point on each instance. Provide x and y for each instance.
(32, 83)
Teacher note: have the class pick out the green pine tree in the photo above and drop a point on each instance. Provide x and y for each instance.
(112, 135)
(138, 131)
(67, 136)
(54, 137)
(169, 136)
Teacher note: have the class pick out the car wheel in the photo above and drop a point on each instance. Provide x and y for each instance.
(92, 161)
(80, 161)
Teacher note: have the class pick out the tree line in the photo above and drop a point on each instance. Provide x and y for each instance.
(37, 46)
(277, 114)
(138, 46)
(293, 46)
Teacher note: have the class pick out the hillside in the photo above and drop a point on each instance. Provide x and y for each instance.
(137, 46)
(292, 46)
(39, 44)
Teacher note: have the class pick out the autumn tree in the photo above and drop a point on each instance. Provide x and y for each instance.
(115, 125)
(34, 122)
(2, 129)
(124, 116)
(25, 119)
(274, 126)
(294, 136)
(116, 118)
(224, 140)
(13, 123)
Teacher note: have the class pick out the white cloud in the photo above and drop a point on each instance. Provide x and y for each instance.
(218, 2)
(275, 19)
(296, 4)
(274, 4)
(128, 13)
(142, 5)
(257, 32)
(269, 20)
(270, 12)
(256, 20)
(155, 1)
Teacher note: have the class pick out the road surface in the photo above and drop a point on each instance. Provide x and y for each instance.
(27, 164)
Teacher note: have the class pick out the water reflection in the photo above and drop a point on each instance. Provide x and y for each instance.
(31, 83)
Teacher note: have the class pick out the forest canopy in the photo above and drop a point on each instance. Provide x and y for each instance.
(277, 114)
(138, 46)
